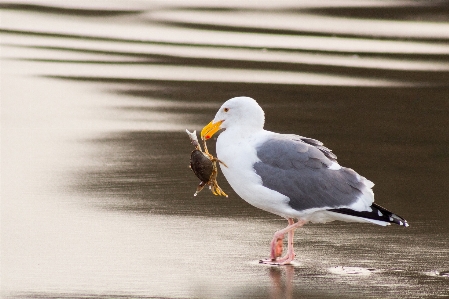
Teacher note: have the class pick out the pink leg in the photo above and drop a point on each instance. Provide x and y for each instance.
(290, 252)
(279, 235)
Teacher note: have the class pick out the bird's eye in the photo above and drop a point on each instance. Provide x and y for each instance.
(226, 109)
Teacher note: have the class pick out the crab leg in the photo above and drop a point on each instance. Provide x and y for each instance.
(194, 139)
(205, 148)
(213, 185)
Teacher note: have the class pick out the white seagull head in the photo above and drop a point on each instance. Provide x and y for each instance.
(242, 113)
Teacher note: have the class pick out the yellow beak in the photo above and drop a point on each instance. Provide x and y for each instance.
(208, 131)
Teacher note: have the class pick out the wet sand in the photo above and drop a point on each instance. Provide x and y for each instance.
(97, 198)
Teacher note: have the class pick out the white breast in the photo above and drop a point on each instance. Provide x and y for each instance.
(239, 154)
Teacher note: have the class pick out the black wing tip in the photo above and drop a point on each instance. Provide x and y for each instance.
(377, 213)
(392, 217)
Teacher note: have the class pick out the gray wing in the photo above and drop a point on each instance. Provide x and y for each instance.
(298, 167)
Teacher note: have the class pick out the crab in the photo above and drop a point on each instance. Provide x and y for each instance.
(204, 166)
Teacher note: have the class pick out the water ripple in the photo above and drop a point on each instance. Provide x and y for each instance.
(98, 198)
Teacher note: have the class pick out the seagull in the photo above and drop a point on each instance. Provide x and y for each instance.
(291, 176)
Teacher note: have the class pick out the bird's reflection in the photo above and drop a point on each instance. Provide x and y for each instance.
(281, 281)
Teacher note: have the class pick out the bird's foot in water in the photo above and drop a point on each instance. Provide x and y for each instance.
(286, 260)
(268, 262)
(277, 246)
(276, 262)
(276, 252)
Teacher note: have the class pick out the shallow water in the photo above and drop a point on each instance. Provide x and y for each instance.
(97, 198)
